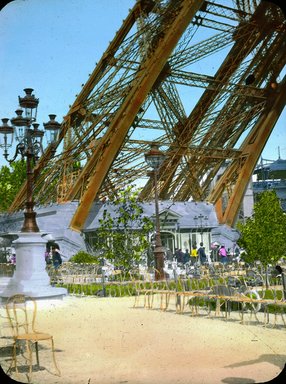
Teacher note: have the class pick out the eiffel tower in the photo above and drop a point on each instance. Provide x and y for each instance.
(203, 79)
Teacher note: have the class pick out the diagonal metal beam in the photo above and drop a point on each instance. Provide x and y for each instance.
(250, 151)
(113, 140)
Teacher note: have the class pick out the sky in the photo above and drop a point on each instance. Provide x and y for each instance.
(53, 45)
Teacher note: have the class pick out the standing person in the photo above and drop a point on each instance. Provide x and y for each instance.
(48, 257)
(237, 253)
(56, 257)
(176, 254)
(202, 254)
(214, 251)
(180, 256)
(223, 254)
(169, 254)
(13, 259)
(194, 255)
(187, 256)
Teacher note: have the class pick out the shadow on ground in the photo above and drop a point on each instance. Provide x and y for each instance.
(278, 360)
(237, 380)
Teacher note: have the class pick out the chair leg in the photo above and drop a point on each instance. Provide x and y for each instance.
(54, 358)
(178, 303)
(217, 309)
(37, 354)
(136, 300)
(145, 300)
(14, 361)
(242, 313)
(15, 356)
(161, 301)
(29, 349)
(266, 315)
(167, 299)
(183, 303)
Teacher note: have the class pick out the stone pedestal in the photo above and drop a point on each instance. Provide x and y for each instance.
(4, 281)
(30, 277)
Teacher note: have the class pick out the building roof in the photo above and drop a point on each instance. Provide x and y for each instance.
(185, 213)
(271, 170)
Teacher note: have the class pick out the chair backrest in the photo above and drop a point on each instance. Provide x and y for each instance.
(21, 311)
(223, 290)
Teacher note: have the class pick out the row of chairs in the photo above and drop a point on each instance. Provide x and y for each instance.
(221, 297)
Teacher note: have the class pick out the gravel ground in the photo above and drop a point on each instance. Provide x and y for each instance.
(107, 341)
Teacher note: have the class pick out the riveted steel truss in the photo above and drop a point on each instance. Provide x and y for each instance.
(204, 79)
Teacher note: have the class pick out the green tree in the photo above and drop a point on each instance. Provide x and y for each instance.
(11, 179)
(122, 237)
(263, 235)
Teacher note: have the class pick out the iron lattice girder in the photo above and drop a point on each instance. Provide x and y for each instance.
(160, 52)
(209, 82)
(242, 169)
(147, 67)
(185, 132)
(240, 50)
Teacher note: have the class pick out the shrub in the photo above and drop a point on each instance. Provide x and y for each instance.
(112, 290)
(83, 257)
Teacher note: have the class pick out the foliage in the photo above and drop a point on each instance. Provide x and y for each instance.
(111, 290)
(122, 239)
(3, 257)
(263, 235)
(83, 257)
(11, 179)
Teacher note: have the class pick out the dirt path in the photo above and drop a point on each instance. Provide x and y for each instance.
(107, 341)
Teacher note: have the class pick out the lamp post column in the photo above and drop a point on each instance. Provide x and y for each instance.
(159, 251)
(30, 223)
(154, 158)
(200, 225)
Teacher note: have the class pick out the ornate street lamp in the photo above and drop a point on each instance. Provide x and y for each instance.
(30, 276)
(201, 226)
(29, 138)
(154, 158)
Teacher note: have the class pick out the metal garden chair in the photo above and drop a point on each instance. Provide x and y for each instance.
(21, 311)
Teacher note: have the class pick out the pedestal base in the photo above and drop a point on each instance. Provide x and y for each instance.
(30, 277)
(4, 281)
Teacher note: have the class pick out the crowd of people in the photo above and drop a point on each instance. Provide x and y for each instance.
(53, 255)
(198, 255)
